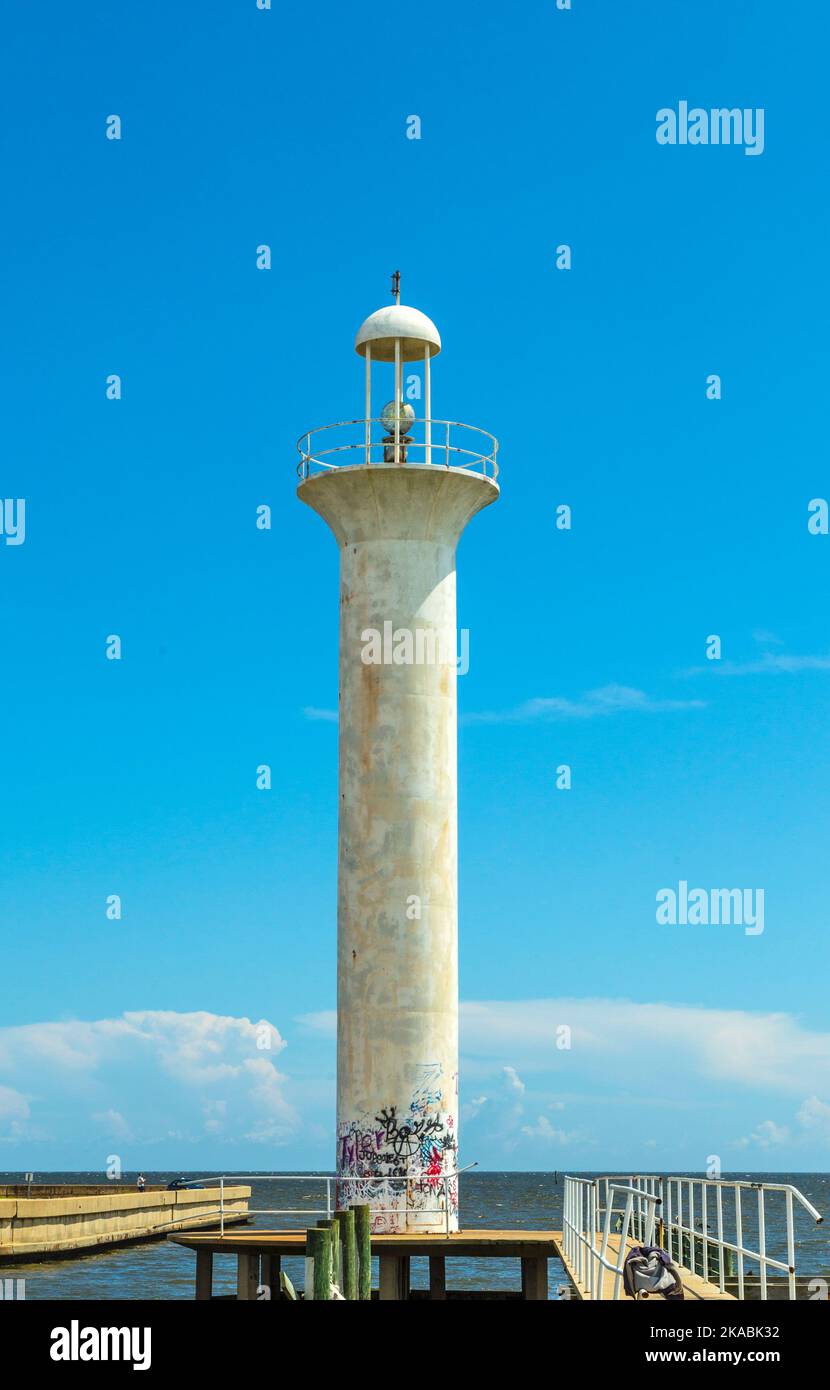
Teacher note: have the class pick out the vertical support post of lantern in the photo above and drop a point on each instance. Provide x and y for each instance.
(398, 395)
(368, 401)
(427, 409)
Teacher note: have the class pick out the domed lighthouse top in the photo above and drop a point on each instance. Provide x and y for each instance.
(398, 334)
(397, 329)
(397, 323)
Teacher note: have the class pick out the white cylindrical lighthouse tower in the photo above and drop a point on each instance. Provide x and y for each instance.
(397, 492)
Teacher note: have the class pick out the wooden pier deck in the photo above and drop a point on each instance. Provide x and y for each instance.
(695, 1288)
(259, 1254)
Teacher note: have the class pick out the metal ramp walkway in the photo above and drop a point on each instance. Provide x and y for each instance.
(695, 1289)
(714, 1230)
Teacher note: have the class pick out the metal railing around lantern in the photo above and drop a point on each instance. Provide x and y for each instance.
(427, 443)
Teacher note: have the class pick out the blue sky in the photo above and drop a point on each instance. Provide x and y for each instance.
(288, 127)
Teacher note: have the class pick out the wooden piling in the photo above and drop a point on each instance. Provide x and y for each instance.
(437, 1277)
(204, 1274)
(247, 1275)
(339, 1236)
(269, 1273)
(363, 1232)
(348, 1247)
(318, 1250)
(332, 1225)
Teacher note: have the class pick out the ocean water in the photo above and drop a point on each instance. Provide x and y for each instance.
(507, 1201)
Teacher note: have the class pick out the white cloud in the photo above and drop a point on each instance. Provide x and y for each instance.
(766, 1135)
(14, 1112)
(543, 1129)
(768, 664)
(325, 716)
(629, 1061)
(618, 1040)
(323, 1023)
(215, 1112)
(814, 1114)
(594, 704)
(670, 1057)
(181, 1073)
(273, 1119)
(156, 1078)
(472, 1109)
(112, 1122)
(203, 1047)
(74, 1046)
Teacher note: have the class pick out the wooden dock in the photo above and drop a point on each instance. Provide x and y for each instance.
(695, 1288)
(259, 1254)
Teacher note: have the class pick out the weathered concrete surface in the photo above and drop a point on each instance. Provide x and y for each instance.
(397, 978)
(37, 1227)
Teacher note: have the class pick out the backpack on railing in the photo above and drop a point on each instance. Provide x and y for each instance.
(649, 1271)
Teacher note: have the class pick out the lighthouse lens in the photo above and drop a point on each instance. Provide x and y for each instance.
(406, 415)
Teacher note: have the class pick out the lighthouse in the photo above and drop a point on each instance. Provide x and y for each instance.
(397, 489)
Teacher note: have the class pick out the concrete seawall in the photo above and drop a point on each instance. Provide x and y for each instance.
(53, 1221)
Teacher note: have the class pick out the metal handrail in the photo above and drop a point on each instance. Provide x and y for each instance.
(432, 1179)
(676, 1228)
(397, 450)
(648, 1194)
(581, 1228)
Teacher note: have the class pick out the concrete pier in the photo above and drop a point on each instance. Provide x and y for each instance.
(45, 1222)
